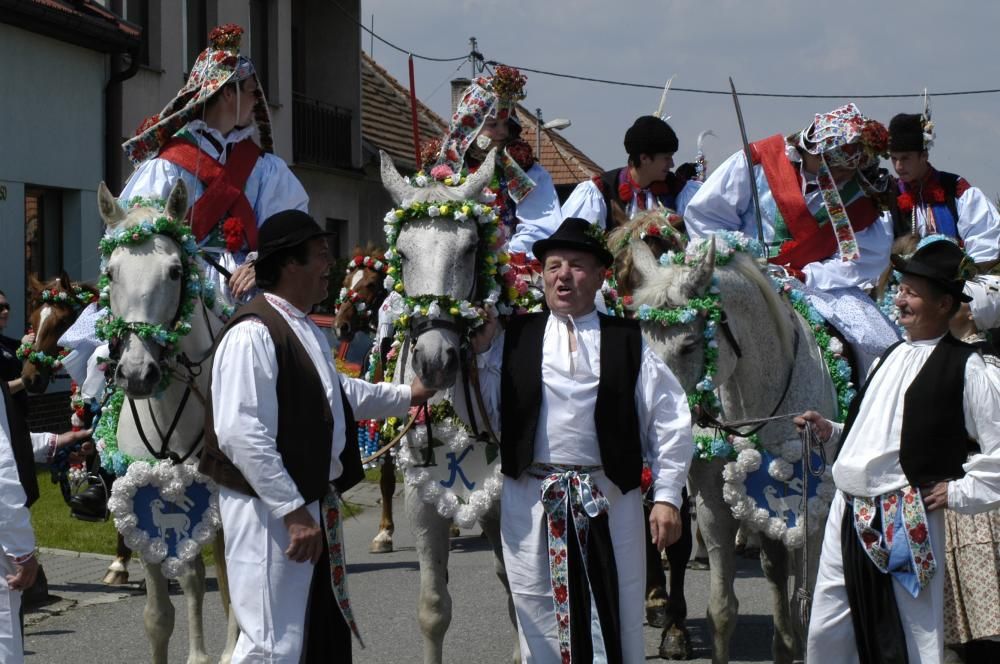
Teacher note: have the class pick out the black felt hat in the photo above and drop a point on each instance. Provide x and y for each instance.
(286, 229)
(942, 262)
(575, 233)
(906, 133)
(650, 135)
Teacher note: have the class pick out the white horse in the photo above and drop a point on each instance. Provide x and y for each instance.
(439, 258)
(147, 285)
(775, 348)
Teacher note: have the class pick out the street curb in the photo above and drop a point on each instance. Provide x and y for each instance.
(74, 554)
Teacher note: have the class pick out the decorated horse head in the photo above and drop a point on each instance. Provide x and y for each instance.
(362, 293)
(150, 282)
(56, 305)
(443, 243)
(743, 352)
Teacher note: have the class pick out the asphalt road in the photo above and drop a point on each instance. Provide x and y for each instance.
(97, 625)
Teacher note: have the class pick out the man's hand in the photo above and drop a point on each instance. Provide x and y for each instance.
(935, 496)
(419, 393)
(822, 427)
(28, 339)
(664, 525)
(24, 574)
(482, 338)
(243, 280)
(304, 535)
(70, 437)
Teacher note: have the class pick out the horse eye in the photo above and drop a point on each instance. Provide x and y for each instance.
(402, 254)
(690, 347)
(175, 272)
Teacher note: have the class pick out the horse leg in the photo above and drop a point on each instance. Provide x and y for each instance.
(192, 582)
(774, 562)
(430, 530)
(222, 573)
(718, 528)
(491, 528)
(117, 574)
(675, 642)
(387, 484)
(158, 615)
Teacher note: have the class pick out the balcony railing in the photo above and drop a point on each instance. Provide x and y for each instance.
(321, 133)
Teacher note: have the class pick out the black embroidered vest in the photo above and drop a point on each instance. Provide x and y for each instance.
(933, 443)
(615, 416)
(305, 423)
(20, 443)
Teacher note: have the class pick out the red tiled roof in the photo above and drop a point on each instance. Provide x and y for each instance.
(385, 114)
(563, 160)
(82, 22)
(385, 122)
(92, 9)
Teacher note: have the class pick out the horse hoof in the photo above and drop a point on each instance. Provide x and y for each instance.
(454, 531)
(675, 644)
(381, 544)
(113, 578)
(698, 564)
(656, 615)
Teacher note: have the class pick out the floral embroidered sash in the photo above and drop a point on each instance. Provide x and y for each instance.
(338, 564)
(903, 548)
(567, 492)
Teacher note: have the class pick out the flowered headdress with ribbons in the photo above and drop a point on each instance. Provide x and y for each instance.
(488, 97)
(844, 138)
(216, 66)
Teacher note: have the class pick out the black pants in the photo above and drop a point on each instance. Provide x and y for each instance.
(678, 555)
(327, 637)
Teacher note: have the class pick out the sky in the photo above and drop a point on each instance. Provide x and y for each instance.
(847, 47)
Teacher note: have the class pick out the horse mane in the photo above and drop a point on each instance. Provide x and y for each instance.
(777, 306)
(618, 241)
(904, 245)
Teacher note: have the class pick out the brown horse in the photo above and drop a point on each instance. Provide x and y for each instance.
(57, 303)
(357, 310)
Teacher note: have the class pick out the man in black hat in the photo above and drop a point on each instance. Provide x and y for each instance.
(582, 401)
(644, 183)
(930, 201)
(902, 457)
(280, 442)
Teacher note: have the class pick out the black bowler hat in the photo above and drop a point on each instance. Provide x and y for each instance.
(650, 135)
(942, 262)
(906, 133)
(286, 229)
(575, 233)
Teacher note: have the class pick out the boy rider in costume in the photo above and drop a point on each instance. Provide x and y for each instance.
(646, 182)
(930, 201)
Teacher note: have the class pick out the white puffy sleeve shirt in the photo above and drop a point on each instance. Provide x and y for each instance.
(661, 404)
(16, 536)
(725, 203)
(978, 225)
(538, 213)
(245, 403)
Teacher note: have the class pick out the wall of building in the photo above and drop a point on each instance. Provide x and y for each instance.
(53, 136)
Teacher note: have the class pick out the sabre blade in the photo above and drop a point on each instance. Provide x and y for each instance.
(753, 180)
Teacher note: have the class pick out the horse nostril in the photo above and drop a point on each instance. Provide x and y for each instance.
(151, 374)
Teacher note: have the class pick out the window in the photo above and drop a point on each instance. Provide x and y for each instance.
(338, 230)
(137, 11)
(260, 42)
(195, 31)
(43, 233)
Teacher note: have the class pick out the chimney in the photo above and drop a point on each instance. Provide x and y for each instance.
(458, 86)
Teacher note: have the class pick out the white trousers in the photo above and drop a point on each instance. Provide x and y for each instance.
(269, 592)
(831, 633)
(526, 555)
(11, 645)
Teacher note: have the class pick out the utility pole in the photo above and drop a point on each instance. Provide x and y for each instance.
(474, 51)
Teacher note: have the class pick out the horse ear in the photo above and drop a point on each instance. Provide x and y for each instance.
(475, 183)
(107, 205)
(34, 285)
(700, 277)
(644, 263)
(392, 180)
(177, 201)
(65, 282)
